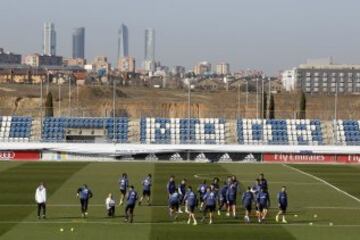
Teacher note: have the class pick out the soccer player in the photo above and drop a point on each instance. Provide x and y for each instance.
(40, 199)
(247, 200)
(283, 202)
(147, 183)
(202, 191)
(263, 201)
(216, 184)
(182, 192)
(256, 190)
(231, 198)
(132, 197)
(222, 197)
(84, 194)
(210, 200)
(171, 186)
(123, 185)
(263, 181)
(190, 201)
(174, 204)
(110, 205)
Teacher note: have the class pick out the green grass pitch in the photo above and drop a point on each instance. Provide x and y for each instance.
(333, 214)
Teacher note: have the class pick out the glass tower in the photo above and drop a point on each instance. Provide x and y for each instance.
(49, 39)
(123, 42)
(78, 43)
(149, 44)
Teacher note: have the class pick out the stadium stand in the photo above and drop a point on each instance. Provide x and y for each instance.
(347, 132)
(15, 128)
(182, 131)
(56, 129)
(279, 131)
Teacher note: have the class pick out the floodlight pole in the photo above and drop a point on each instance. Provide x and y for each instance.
(69, 93)
(114, 109)
(247, 98)
(262, 107)
(335, 111)
(41, 102)
(257, 97)
(189, 117)
(238, 101)
(59, 88)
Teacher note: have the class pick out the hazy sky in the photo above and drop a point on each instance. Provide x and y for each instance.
(264, 34)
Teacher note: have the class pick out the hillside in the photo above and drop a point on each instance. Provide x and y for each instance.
(137, 102)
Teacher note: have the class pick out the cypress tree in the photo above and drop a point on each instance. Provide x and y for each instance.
(49, 106)
(302, 106)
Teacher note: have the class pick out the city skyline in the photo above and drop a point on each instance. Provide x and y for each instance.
(268, 35)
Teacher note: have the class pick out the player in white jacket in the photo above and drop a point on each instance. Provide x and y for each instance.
(110, 205)
(40, 199)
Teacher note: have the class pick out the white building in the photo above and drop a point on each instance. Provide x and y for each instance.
(222, 69)
(149, 66)
(202, 68)
(288, 79)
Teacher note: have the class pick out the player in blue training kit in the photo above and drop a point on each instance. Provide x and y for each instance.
(190, 202)
(263, 182)
(282, 203)
(182, 192)
(222, 197)
(210, 200)
(174, 204)
(263, 202)
(123, 185)
(202, 191)
(247, 200)
(84, 194)
(146, 183)
(216, 184)
(171, 186)
(255, 190)
(130, 204)
(231, 197)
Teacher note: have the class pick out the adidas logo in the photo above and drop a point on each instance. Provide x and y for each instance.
(176, 157)
(250, 158)
(225, 158)
(151, 157)
(201, 158)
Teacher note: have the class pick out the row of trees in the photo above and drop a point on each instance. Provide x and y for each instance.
(267, 110)
(268, 107)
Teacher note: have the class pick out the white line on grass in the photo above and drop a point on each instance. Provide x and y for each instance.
(160, 206)
(323, 181)
(209, 177)
(341, 208)
(67, 205)
(82, 221)
(174, 223)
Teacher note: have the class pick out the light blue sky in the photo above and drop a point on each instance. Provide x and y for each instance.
(266, 34)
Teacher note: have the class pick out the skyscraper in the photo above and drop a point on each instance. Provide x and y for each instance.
(78, 41)
(150, 44)
(49, 39)
(123, 42)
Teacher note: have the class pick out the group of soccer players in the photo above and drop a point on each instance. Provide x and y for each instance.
(215, 198)
(212, 197)
(127, 195)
